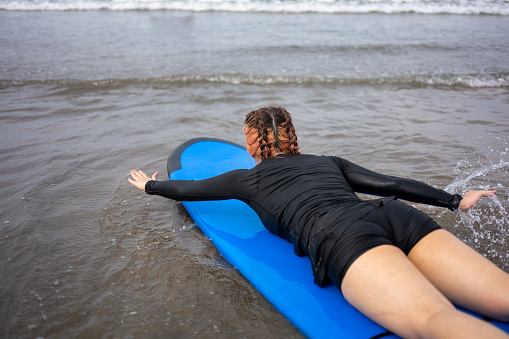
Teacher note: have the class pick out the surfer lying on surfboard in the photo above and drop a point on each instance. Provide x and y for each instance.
(391, 261)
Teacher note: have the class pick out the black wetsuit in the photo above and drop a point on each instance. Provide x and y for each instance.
(310, 201)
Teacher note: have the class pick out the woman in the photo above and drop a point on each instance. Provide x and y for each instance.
(390, 261)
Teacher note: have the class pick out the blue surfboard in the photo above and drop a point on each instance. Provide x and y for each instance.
(267, 261)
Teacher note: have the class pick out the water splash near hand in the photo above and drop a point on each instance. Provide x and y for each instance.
(485, 227)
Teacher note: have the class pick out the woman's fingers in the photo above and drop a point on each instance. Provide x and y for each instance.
(139, 179)
(137, 174)
(134, 174)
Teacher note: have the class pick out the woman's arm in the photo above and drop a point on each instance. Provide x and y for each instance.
(221, 187)
(365, 181)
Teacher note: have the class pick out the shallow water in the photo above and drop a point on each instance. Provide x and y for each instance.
(86, 96)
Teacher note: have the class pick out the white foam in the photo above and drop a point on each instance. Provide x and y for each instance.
(463, 7)
(433, 80)
(445, 80)
(470, 81)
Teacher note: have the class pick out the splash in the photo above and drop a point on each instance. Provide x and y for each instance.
(183, 228)
(487, 224)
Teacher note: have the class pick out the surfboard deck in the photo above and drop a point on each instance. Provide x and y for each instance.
(265, 260)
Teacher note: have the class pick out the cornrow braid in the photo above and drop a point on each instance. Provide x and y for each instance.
(263, 140)
(276, 133)
(292, 136)
(274, 129)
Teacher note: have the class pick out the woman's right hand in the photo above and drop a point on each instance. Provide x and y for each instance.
(472, 197)
(139, 179)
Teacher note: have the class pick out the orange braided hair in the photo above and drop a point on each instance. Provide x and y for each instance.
(270, 131)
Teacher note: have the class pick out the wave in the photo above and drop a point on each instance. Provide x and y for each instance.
(464, 7)
(440, 81)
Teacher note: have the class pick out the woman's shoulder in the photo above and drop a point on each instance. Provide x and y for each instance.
(299, 159)
(325, 158)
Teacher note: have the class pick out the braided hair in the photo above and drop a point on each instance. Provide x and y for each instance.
(270, 131)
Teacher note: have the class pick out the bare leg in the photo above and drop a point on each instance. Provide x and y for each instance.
(464, 276)
(384, 285)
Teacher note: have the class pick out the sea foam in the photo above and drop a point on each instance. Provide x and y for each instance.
(488, 7)
(425, 80)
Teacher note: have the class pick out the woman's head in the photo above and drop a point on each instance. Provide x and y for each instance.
(269, 131)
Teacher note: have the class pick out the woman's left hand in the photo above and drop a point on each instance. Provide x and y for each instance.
(139, 179)
(472, 197)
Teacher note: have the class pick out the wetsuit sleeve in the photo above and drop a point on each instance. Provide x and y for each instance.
(363, 180)
(229, 185)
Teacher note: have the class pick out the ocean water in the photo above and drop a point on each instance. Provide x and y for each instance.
(92, 89)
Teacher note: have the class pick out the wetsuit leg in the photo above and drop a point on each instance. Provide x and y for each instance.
(394, 223)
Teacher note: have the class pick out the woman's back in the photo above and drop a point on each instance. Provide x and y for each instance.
(292, 189)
